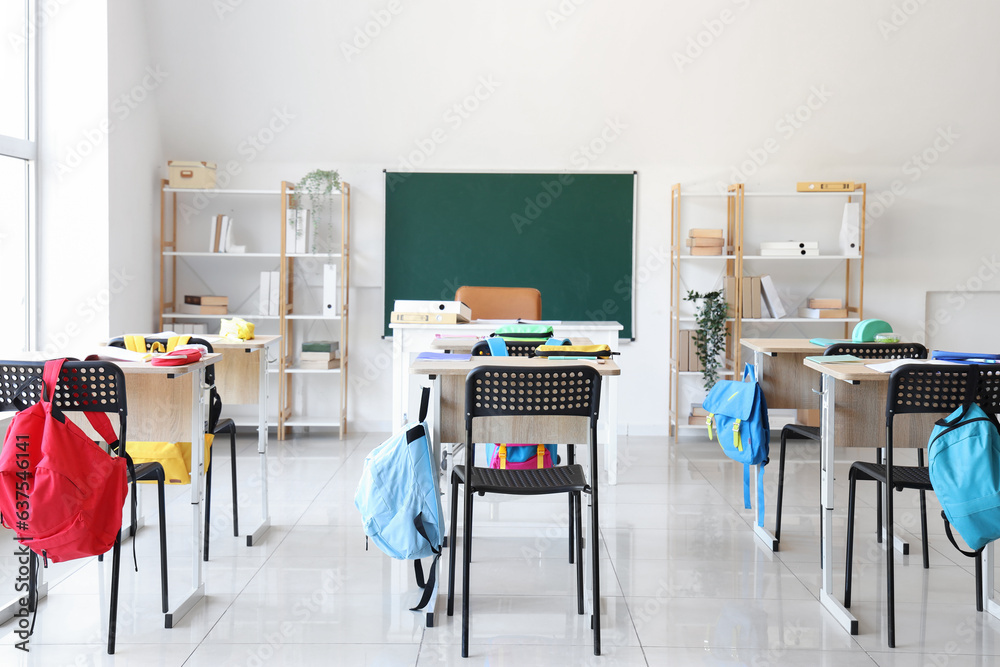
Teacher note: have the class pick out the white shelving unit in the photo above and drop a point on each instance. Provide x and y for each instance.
(737, 230)
(270, 243)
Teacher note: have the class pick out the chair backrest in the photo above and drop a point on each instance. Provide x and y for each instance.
(562, 402)
(879, 350)
(83, 386)
(920, 388)
(515, 348)
(501, 303)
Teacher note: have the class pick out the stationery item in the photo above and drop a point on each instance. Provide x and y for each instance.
(181, 355)
(321, 346)
(318, 356)
(443, 356)
(729, 290)
(191, 309)
(771, 298)
(788, 245)
(827, 342)
(966, 357)
(789, 252)
(887, 338)
(683, 351)
(890, 366)
(865, 330)
(704, 241)
(574, 351)
(306, 364)
(823, 313)
(330, 297)
(426, 318)
(264, 307)
(274, 295)
(850, 230)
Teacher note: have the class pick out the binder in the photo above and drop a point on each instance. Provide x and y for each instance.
(850, 230)
(330, 291)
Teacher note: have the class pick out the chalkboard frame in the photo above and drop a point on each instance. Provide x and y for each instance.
(573, 234)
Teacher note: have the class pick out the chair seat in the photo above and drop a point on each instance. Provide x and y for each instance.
(539, 481)
(148, 471)
(802, 431)
(908, 477)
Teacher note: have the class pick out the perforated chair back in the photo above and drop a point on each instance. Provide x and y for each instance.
(918, 388)
(879, 350)
(571, 395)
(515, 348)
(83, 386)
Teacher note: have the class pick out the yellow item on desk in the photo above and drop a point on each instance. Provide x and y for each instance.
(236, 328)
(175, 457)
(581, 351)
(137, 343)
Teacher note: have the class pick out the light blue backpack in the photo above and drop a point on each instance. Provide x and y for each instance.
(738, 411)
(964, 462)
(400, 500)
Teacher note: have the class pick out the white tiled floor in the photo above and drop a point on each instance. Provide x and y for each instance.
(683, 580)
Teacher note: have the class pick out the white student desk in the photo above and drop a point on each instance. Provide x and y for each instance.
(410, 339)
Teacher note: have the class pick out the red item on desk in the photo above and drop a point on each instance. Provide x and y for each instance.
(179, 357)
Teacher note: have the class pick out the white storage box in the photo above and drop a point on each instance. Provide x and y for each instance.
(191, 174)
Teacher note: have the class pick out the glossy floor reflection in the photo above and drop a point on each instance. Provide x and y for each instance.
(683, 580)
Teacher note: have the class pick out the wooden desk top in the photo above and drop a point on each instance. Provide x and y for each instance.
(258, 342)
(146, 368)
(604, 367)
(850, 372)
(782, 345)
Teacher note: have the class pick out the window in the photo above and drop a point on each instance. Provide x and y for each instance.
(17, 187)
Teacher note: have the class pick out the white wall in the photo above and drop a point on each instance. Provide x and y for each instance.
(551, 78)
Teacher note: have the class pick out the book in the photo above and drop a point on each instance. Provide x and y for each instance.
(836, 359)
(788, 252)
(705, 233)
(318, 356)
(694, 363)
(215, 234)
(698, 411)
(319, 365)
(825, 303)
(822, 313)
(192, 309)
(683, 353)
(417, 306)
(706, 250)
(756, 311)
(771, 298)
(729, 289)
(703, 241)
(426, 318)
(226, 234)
(206, 300)
(443, 356)
(320, 346)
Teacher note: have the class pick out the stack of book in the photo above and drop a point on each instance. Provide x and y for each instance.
(220, 238)
(205, 305)
(705, 242)
(820, 309)
(405, 311)
(270, 293)
(698, 415)
(320, 355)
(687, 352)
(789, 248)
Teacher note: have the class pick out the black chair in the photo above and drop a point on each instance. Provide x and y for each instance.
(556, 404)
(515, 348)
(803, 432)
(916, 389)
(216, 426)
(87, 386)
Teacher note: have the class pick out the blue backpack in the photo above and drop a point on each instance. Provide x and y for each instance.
(739, 412)
(964, 462)
(400, 500)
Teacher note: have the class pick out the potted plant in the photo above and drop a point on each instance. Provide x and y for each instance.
(319, 186)
(710, 339)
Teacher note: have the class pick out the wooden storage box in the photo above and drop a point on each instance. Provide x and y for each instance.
(191, 174)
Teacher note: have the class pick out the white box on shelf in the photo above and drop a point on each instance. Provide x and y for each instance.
(330, 290)
(274, 295)
(264, 307)
(850, 230)
(416, 306)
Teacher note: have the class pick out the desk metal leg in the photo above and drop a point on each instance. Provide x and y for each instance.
(762, 533)
(611, 449)
(826, 595)
(257, 533)
(197, 493)
(400, 379)
(990, 605)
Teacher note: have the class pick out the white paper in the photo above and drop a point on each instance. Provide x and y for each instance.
(890, 366)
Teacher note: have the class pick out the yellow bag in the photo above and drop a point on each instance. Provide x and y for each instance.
(175, 457)
(236, 328)
(574, 351)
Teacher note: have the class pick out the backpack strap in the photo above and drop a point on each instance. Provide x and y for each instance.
(760, 492)
(50, 377)
(135, 342)
(951, 538)
(498, 347)
(749, 372)
(174, 341)
(428, 586)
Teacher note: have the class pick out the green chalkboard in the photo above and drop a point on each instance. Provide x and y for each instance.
(569, 235)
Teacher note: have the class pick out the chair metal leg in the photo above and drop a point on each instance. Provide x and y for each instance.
(923, 516)
(162, 503)
(113, 614)
(595, 557)
(849, 566)
(453, 544)
(208, 507)
(781, 487)
(878, 500)
(979, 580)
(572, 527)
(232, 464)
(466, 556)
(890, 566)
(577, 546)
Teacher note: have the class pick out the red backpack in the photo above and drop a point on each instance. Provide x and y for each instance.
(59, 491)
